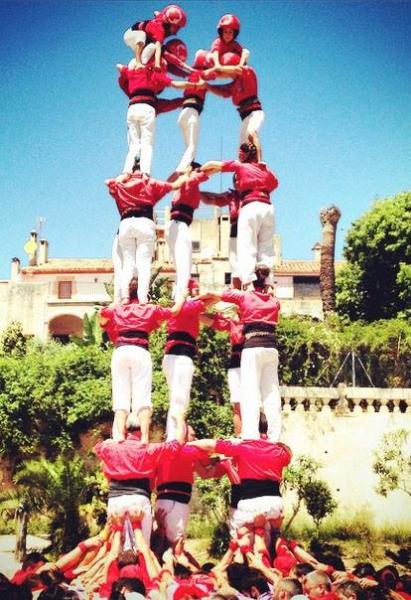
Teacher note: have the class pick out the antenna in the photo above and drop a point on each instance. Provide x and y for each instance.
(39, 225)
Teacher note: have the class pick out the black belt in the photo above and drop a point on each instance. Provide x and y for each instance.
(247, 106)
(233, 230)
(182, 350)
(254, 488)
(259, 335)
(182, 212)
(129, 337)
(235, 496)
(127, 487)
(258, 327)
(136, 333)
(235, 358)
(194, 102)
(143, 92)
(181, 336)
(143, 211)
(178, 491)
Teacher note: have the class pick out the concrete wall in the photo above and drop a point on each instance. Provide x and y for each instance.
(342, 428)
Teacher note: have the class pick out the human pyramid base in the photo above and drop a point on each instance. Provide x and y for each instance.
(141, 552)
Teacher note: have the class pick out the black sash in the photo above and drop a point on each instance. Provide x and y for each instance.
(254, 488)
(178, 491)
(141, 211)
(127, 487)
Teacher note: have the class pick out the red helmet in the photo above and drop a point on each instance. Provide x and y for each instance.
(202, 60)
(174, 15)
(229, 21)
(178, 48)
(229, 59)
(193, 284)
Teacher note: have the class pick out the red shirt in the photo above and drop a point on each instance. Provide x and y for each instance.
(189, 195)
(255, 307)
(256, 459)
(200, 93)
(141, 191)
(181, 466)
(220, 46)
(142, 84)
(254, 181)
(135, 317)
(234, 328)
(244, 86)
(187, 321)
(132, 459)
(154, 28)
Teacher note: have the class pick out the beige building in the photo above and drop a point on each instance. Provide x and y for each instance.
(50, 296)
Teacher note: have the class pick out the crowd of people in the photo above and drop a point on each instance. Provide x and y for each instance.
(142, 550)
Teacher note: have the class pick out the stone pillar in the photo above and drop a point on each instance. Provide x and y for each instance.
(43, 254)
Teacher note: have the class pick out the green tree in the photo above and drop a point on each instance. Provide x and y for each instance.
(393, 463)
(375, 281)
(13, 341)
(92, 332)
(302, 471)
(58, 487)
(319, 501)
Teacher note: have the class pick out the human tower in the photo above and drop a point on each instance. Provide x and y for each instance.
(255, 459)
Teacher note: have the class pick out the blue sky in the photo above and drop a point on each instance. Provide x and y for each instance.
(335, 84)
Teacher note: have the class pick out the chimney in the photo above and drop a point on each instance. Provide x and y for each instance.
(33, 254)
(317, 252)
(15, 268)
(43, 254)
(277, 250)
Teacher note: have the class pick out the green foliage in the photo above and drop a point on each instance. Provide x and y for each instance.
(220, 540)
(298, 477)
(375, 282)
(393, 463)
(12, 340)
(319, 501)
(92, 332)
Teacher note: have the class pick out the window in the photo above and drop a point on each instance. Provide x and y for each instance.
(227, 278)
(64, 290)
(195, 246)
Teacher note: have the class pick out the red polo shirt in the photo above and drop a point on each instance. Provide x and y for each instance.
(187, 321)
(254, 306)
(254, 181)
(234, 328)
(220, 46)
(141, 191)
(181, 466)
(131, 459)
(134, 317)
(256, 459)
(189, 196)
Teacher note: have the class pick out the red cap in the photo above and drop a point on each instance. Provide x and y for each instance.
(178, 48)
(202, 60)
(174, 15)
(229, 20)
(193, 284)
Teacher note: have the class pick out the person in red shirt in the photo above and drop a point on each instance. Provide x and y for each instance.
(228, 29)
(143, 85)
(149, 35)
(131, 365)
(234, 328)
(174, 482)
(258, 311)
(135, 199)
(129, 466)
(232, 199)
(260, 464)
(181, 347)
(254, 182)
(185, 201)
(244, 93)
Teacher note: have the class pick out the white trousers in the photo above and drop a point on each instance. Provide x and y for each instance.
(260, 387)
(117, 259)
(136, 238)
(255, 239)
(172, 516)
(189, 122)
(269, 506)
(234, 385)
(131, 372)
(250, 125)
(141, 123)
(132, 38)
(232, 257)
(179, 372)
(179, 242)
(132, 503)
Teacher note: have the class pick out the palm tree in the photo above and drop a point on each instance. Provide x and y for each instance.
(58, 488)
(329, 218)
(92, 332)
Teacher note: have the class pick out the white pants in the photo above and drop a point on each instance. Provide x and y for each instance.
(255, 240)
(117, 259)
(250, 125)
(136, 238)
(131, 371)
(132, 503)
(189, 121)
(270, 506)
(132, 38)
(260, 386)
(173, 518)
(179, 372)
(232, 257)
(179, 242)
(234, 385)
(141, 123)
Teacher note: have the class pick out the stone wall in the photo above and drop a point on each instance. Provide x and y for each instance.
(341, 427)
